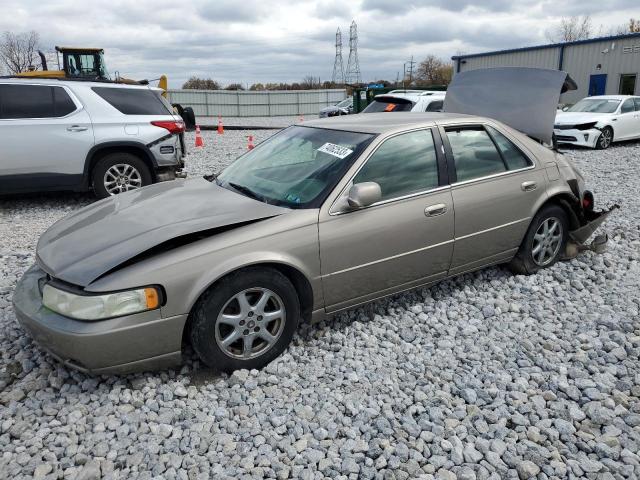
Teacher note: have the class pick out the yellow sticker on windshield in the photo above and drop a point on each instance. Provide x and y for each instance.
(335, 150)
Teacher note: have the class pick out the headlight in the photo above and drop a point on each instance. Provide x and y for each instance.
(97, 307)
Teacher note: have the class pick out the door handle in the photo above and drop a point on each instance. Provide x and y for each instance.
(435, 210)
(529, 186)
(76, 128)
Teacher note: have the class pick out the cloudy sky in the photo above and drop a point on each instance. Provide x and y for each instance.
(270, 41)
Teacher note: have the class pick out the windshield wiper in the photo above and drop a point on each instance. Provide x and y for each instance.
(247, 191)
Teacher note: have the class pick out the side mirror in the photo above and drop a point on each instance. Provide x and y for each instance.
(363, 194)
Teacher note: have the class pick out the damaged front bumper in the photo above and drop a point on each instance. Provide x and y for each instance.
(582, 138)
(579, 236)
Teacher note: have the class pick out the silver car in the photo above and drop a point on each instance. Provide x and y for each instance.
(318, 219)
(59, 134)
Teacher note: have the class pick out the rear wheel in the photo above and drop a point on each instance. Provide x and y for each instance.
(605, 138)
(119, 172)
(544, 242)
(245, 320)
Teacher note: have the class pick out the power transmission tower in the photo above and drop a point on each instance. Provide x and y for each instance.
(353, 65)
(411, 63)
(338, 68)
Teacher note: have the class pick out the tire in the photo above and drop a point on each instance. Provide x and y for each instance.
(189, 117)
(208, 334)
(530, 258)
(605, 139)
(127, 170)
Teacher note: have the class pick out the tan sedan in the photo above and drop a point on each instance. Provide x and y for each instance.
(317, 219)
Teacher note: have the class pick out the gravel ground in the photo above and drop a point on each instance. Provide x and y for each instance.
(283, 121)
(487, 375)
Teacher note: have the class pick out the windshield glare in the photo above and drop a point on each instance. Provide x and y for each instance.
(296, 168)
(593, 105)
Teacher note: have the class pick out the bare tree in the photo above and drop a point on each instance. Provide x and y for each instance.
(634, 25)
(234, 86)
(195, 83)
(310, 82)
(571, 29)
(19, 51)
(433, 71)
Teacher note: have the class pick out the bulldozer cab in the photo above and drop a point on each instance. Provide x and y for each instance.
(86, 63)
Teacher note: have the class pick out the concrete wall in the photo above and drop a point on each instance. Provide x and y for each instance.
(611, 57)
(211, 103)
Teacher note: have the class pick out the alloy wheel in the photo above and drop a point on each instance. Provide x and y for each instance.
(547, 241)
(605, 138)
(121, 177)
(250, 323)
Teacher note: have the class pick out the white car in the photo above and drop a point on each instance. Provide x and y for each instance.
(598, 121)
(407, 101)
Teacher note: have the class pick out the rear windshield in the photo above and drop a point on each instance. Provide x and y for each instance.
(389, 104)
(133, 101)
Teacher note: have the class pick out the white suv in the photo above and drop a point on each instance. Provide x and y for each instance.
(407, 101)
(79, 135)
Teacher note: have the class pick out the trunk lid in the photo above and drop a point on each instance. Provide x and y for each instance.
(523, 98)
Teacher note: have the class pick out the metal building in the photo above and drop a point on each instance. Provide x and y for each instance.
(600, 66)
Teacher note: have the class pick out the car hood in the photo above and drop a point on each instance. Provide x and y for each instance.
(576, 118)
(523, 98)
(100, 237)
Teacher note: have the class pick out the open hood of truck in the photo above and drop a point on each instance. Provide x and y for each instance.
(523, 98)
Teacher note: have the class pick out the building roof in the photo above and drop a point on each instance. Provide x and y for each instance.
(550, 45)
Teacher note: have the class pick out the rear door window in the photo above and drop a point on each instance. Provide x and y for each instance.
(133, 101)
(389, 104)
(511, 154)
(474, 153)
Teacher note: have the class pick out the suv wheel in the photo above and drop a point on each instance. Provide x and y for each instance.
(246, 320)
(119, 172)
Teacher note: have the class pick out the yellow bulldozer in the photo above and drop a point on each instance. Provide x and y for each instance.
(88, 64)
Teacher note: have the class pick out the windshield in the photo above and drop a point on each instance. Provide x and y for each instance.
(389, 104)
(296, 168)
(344, 103)
(595, 105)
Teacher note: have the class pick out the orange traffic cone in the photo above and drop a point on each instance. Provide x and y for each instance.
(199, 141)
(220, 126)
(301, 119)
(250, 145)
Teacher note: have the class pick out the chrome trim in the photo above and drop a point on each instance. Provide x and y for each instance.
(364, 162)
(495, 175)
(393, 257)
(493, 228)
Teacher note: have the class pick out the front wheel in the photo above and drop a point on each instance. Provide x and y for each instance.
(544, 242)
(605, 138)
(245, 320)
